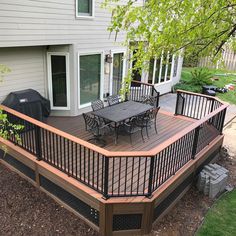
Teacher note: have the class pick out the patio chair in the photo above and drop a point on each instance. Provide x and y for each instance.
(146, 120)
(151, 100)
(114, 99)
(130, 128)
(94, 126)
(97, 105)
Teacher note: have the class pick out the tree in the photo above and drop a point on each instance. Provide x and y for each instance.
(197, 27)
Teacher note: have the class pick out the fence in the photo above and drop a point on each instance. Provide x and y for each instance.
(227, 61)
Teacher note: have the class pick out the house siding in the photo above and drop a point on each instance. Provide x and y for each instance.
(27, 67)
(29, 29)
(30, 23)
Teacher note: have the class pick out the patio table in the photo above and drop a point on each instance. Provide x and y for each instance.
(121, 112)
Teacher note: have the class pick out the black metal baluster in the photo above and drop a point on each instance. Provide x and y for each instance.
(151, 169)
(138, 174)
(113, 174)
(132, 176)
(106, 176)
(38, 143)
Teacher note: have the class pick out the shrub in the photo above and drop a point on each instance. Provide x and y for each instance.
(200, 77)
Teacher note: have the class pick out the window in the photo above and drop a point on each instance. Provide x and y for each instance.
(117, 72)
(84, 8)
(175, 70)
(157, 70)
(151, 71)
(90, 78)
(58, 76)
(160, 69)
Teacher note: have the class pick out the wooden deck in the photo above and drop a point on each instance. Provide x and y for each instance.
(160, 168)
(167, 125)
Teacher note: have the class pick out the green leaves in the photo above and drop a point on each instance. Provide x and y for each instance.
(200, 27)
(201, 76)
(8, 129)
(3, 70)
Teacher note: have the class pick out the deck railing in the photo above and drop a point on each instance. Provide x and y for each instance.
(120, 174)
(194, 105)
(138, 90)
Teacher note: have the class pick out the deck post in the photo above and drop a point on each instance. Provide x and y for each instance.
(38, 142)
(106, 176)
(222, 121)
(149, 194)
(212, 104)
(177, 103)
(195, 141)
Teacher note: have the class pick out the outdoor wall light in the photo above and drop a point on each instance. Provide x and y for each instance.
(108, 58)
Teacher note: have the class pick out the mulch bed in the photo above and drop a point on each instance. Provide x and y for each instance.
(24, 210)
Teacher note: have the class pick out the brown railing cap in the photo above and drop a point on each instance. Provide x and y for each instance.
(203, 95)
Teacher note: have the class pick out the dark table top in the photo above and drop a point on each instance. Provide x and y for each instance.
(122, 111)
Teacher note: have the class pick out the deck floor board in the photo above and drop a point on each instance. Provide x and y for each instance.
(167, 126)
(126, 175)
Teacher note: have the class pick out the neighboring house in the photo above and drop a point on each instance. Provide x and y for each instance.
(62, 48)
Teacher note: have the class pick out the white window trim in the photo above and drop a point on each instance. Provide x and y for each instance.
(111, 68)
(85, 17)
(50, 89)
(101, 76)
(160, 71)
(175, 62)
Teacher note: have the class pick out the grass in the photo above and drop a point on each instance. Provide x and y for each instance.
(229, 97)
(221, 219)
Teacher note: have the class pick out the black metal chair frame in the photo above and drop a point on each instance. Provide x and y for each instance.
(146, 120)
(97, 105)
(94, 126)
(130, 127)
(114, 99)
(151, 100)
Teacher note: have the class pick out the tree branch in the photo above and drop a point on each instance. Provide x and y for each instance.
(225, 40)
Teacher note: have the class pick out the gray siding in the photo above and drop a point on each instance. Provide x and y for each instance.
(53, 22)
(27, 70)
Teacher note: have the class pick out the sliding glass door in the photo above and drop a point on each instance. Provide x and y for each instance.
(58, 78)
(89, 78)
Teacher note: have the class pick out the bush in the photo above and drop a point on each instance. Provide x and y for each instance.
(200, 77)
(194, 80)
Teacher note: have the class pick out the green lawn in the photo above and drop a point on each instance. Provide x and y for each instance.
(223, 80)
(221, 219)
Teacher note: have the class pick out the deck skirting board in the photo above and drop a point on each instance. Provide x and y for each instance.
(24, 169)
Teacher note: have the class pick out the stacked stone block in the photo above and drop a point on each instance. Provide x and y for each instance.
(212, 180)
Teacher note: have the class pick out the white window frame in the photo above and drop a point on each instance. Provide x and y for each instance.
(50, 89)
(78, 16)
(111, 67)
(101, 76)
(160, 71)
(175, 63)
